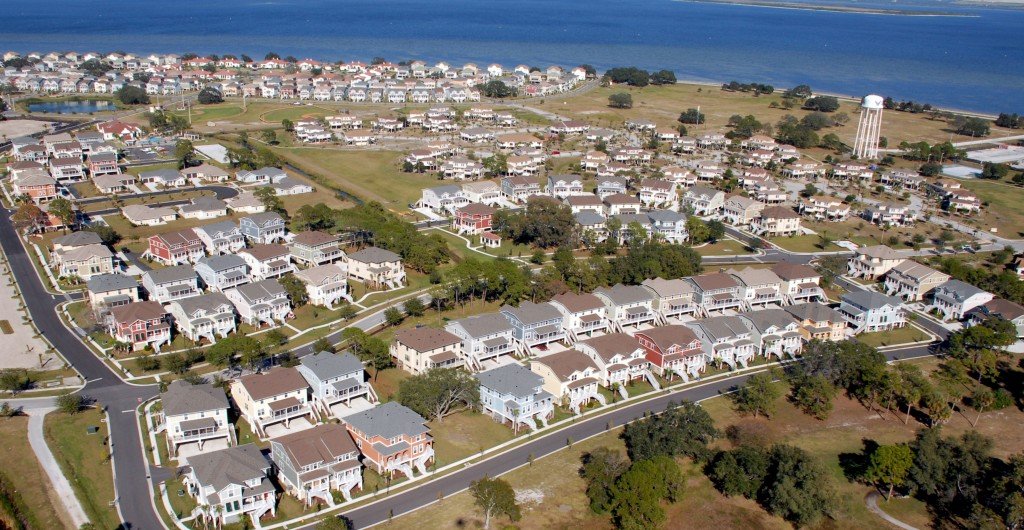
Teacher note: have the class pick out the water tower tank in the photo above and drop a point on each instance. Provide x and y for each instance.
(873, 102)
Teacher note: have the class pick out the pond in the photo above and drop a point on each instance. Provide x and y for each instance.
(72, 107)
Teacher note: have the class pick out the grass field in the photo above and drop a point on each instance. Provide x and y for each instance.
(725, 247)
(902, 335)
(84, 459)
(1005, 206)
(19, 466)
(804, 243)
(465, 434)
(663, 104)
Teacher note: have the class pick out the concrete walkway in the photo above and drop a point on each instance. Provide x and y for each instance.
(872, 502)
(57, 479)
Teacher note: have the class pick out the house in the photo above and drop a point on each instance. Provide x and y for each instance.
(800, 283)
(112, 290)
(758, 287)
(610, 185)
(83, 262)
(195, 414)
(998, 308)
(326, 285)
(818, 321)
(171, 283)
(621, 204)
(335, 380)
(824, 208)
(672, 298)
(776, 221)
(519, 188)
(620, 360)
(313, 463)
(534, 325)
(704, 201)
(267, 261)
(266, 175)
(657, 193)
(262, 302)
(443, 199)
(376, 267)
(233, 483)
(484, 192)
(716, 291)
(484, 337)
(162, 178)
(222, 272)
(738, 210)
(514, 395)
(103, 164)
(263, 228)
(315, 248)
(278, 395)
(246, 202)
(911, 280)
(222, 237)
(462, 168)
(562, 186)
(203, 208)
(571, 377)
(592, 160)
(474, 218)
(954, 298)
(208, 316)
(962, 201)
(175, 248)
(37, 185)
(142, 215)
(582, 315)
(868, 311)
(776, 332)
(420, 349)
(205, 172)
(627, 305)
(673, 350)
(140, 324)
(889, 215)
(586, 202)
(392, 438)
(113, 184)
(726, 339)
(873, 262)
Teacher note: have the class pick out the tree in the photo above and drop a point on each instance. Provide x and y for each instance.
(393, 316)
(185, 153)
(889, 465)
(698, 230)
(757, 396)
(95, 67)
(107, 235)
(982, 400)
(268, 197)
(740, 472)
(632, 76)
(682, 430)
(414, 307)
(495, 497)
(64, 210)
(663, 77)
(813, 395)
(994, 171)
(798, 92)
(620, 100)
(132, 95)
(497, 89)
(691, 117)
(295, 288)
(70, 403)
(601, 468)
(816, 121)
(639, 491)
(544, 222)
(209, 96)
(27, 217)
(439, 392)
(822, 104)
(971, 126)
(334, 522)
(797, 487)
(270, 137)
(14, 380)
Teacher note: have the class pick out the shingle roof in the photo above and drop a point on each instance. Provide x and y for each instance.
(576, 303)
(326, 365)
(665, 336)
(221, 262)
(388, 420)
(871, 299)
(612, 344)
(110, 282)
(722, 327)
(426, 339)
(323, 443)
(274, 382)
(663, 288)
(234, 465)
(261, 289)
(814, 311)
(184, 398)
(512, 379)
(713, 281)
(171, 274)
(794, 271)
(625, 294)
(78, 239)
(482, 325)
(147, 310)
(374, 255)
(767, 318)
(565, 362)
(751, 276)
(531, 313)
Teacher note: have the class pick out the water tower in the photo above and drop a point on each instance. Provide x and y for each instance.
(869, 126)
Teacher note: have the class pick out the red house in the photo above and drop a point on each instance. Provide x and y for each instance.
(673, 348)
(473, 218)
(176, 248)
(141, 324)
(118, 130)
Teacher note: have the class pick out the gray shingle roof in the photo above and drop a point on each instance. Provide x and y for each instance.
(261, 289)
(483, 325)
(767, 318)
(513, 379)
(176, 273)
(110, 282)
(78, 239)
(814, 311)
(625, 294)
(871, 299)
(388, 420)
(959, 290)
(222, 262)
(722, 327)
(184, 398)
(327, 365)
(531, 313)
(374, 255)
(234, 465)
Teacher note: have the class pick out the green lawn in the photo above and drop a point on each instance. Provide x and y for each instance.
(725, 247)
(803, 243)
(464, 434)
(20, 468)
(909, 333)
(1005, 206)
(84, 459)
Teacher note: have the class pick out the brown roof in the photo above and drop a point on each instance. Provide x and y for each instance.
(323, 443)
(665, 336)
(273, 382)
(564, 363)
(794, 271)
(621, 198)
(476, 208)
(608, 346)
(583, 200)
(578, 302)
(314, 238)
(135, 311)
(714, 280)
(426, 339)
(178, 237)
(1004, 308)
(266, 252)
(778, 212)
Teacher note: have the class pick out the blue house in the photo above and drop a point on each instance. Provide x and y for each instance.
(534, 324)
(264, 228)
(512, 394)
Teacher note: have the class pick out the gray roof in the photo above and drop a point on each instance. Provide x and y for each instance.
(204, 204)
(263, 288)
(531, 313)
(234, 465)
(958, 290)
(767, 318)
(483, 325)
(815, 311)
(110, 282)
(751, 277)
(668, 288)
(220, 226)
(450, 188)
(625, 294)
(665, 216)
(589, 217)
(78, 239)
(184, 398)
(263, 218)
(162, 174)
(511, 379)
(871, 299)
(388, 420)
(721, 327)
(176, 273)
(222, 262)
(327, 365)
(206, 302)
(374, 255)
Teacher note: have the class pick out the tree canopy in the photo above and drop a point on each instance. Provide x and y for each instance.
(439, 392)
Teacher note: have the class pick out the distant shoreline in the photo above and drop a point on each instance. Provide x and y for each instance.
(799, 6)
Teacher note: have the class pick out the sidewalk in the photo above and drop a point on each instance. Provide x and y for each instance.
(57, 479)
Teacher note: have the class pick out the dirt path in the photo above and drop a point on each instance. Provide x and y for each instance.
(872, 502)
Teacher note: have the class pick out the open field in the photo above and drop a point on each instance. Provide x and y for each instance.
(465, 434)
(662, 104)
(725, 247)
(804, 243)
(1003, 208)
(20, 467)
(908, 333)
(84, 458)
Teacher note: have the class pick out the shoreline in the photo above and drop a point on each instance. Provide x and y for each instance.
(799, 6)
